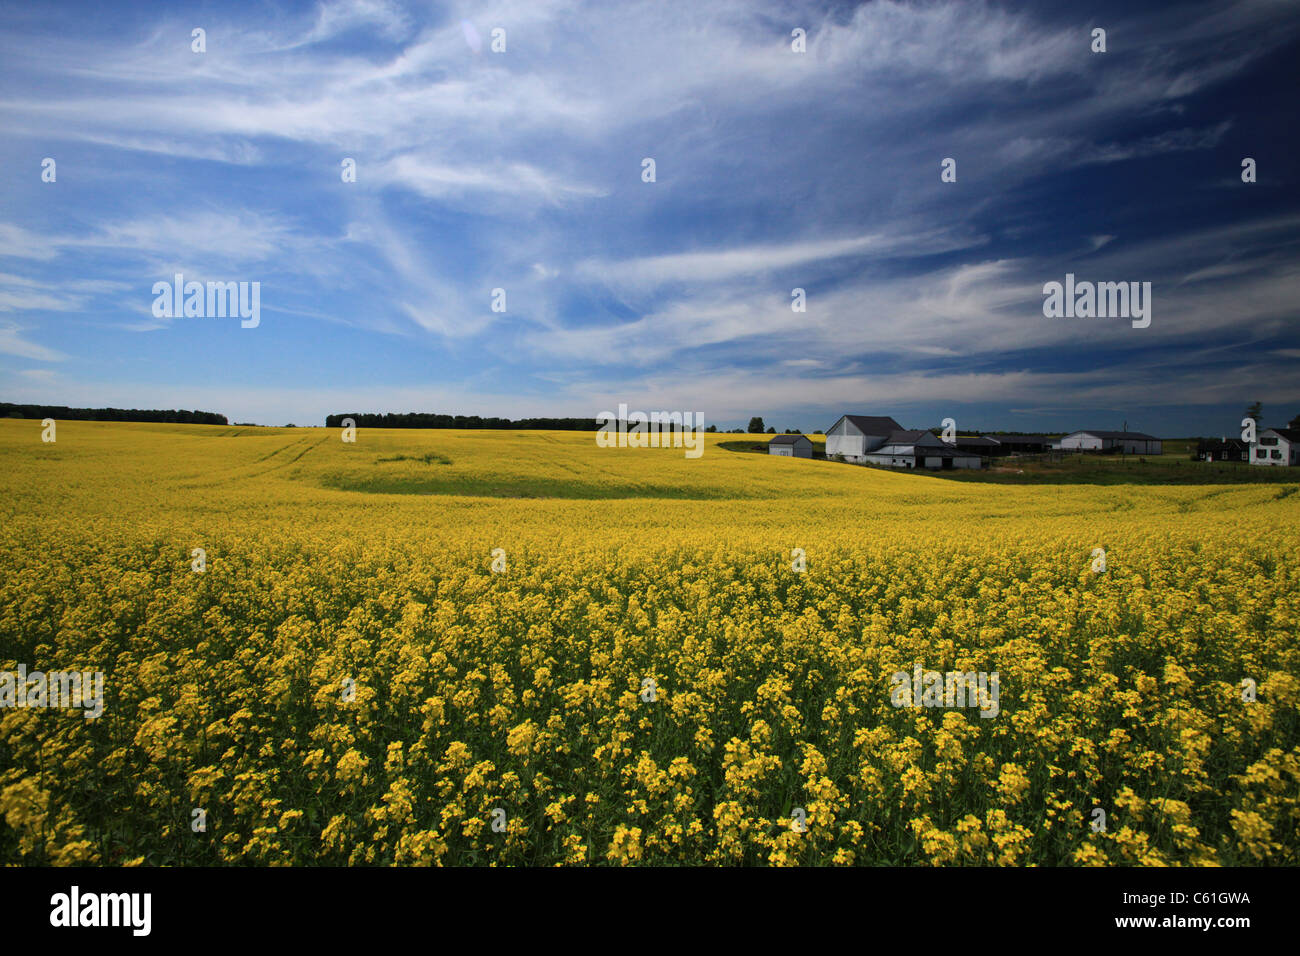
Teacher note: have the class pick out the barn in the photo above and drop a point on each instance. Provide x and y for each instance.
(921, 449)
(1130, 443)
(879, 440)
(852, 436)
(790, 446)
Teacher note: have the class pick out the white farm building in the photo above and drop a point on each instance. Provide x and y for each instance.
(1276, 446)
(790, 446)
(854, 435)
(1130, 443)
(872, 440)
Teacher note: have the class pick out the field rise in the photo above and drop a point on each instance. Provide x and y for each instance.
(525, 691)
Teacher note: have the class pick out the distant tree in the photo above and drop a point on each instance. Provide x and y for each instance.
(436, 420)
(756, 425)
(818, 432)
(772, 430)
(711, 428)
(1255, 410)
(1294, 423)
(63, 413)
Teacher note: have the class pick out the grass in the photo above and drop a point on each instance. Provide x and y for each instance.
(510, 487)
(1088, 469)
(429, 458)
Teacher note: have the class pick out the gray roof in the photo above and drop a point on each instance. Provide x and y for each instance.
(1138, 435)
(913, 436)
(873, 424)
(968, 441)
(1290, 434)
(907, 441)
(788, 439)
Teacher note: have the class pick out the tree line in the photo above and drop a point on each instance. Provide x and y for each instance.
(431, 420)
(64, 413)
(756, 428)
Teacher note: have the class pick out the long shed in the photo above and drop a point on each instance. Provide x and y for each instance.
(1130, 443)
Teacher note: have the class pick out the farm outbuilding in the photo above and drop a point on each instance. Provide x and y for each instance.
(879, 440)
(852, 436)
(790, 446)
(1130, 443)
(1020, 444)
(1223, 449)
(974, 445)
(921, 449)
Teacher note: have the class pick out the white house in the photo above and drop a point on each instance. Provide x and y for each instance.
(1276, 446)
(790, 446)
(1131, 443)
(852, 436)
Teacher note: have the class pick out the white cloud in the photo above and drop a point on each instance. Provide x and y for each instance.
(717, 265)
(529, 161)
(518, 179)
(13, 343)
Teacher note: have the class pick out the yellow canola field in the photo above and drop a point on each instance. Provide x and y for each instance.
(645, 678)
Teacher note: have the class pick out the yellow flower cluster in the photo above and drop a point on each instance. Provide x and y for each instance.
(649, 680)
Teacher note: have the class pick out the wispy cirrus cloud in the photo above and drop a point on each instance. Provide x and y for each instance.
(522, 171)
(12, 342)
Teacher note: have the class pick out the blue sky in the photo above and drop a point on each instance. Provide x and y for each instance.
(522, 170)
